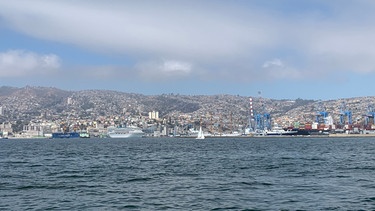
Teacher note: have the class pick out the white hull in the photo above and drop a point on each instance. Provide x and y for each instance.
(280, 133)
(127, 132)
(115, 135)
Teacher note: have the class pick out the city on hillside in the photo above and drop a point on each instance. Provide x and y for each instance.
(30, 112)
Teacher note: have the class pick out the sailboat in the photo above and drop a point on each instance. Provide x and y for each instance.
(200, 134)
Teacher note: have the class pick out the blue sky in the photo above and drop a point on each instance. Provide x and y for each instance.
(286, 49)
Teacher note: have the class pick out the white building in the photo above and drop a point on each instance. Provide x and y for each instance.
(69, 101)
(153, 115)
(6, 127)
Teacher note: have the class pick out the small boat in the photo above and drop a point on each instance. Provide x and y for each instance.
(84, 135)
(200, 134)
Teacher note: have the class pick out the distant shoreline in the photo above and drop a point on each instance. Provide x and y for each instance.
(218, 137)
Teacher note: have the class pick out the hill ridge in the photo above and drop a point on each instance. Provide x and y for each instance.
(29, 102)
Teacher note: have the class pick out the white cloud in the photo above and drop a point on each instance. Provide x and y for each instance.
(224, 38)
(175, 67)
(23, 63)
(164, 69)
(277, 69)
(165, 27)
(273, 63)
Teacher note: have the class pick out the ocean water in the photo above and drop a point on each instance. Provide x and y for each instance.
(188, 174)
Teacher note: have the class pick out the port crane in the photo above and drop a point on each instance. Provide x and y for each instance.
(262, 119)
(345, 113)
(321, 114)
(267, 121)
(370, 115)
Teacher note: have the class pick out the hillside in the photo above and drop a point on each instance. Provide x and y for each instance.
(28, 103)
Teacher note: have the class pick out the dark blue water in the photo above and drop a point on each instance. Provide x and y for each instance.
(188, 174)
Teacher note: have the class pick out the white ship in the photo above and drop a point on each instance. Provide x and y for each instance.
(125, 132)
(278, 131)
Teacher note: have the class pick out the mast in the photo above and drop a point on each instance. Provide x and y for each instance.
(251, 119)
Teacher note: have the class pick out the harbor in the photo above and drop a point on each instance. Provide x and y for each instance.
(172, 115)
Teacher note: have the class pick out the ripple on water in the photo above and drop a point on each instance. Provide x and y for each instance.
(179, 174)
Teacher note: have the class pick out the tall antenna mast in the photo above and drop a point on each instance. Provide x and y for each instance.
(251, 114)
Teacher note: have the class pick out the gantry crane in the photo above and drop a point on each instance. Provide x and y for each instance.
(345, 113)
(370, 115)
(262, 119)
(321, 114)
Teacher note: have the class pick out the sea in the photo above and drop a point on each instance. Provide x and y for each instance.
(278, 173)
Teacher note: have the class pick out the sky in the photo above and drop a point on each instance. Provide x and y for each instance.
(283, 49)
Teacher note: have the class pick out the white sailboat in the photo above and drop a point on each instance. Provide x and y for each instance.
(200, 134)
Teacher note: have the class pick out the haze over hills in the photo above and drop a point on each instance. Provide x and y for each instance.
(29, 103)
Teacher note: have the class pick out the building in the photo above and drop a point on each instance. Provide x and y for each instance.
(153, 115)
(70, 101)
(6, 127)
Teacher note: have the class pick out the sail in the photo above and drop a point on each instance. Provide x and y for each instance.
(200, 134)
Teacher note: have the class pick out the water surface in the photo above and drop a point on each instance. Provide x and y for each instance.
(188, 174)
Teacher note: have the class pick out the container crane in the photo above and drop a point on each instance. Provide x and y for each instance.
(370, 115)
(259, 123)
(262, 119)
(321, 114)
(345, 113)
(267, 121)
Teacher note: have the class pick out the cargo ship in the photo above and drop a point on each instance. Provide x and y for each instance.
(308, 129)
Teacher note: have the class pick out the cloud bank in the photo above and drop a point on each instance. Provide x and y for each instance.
(227, 39)
(24, 63)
